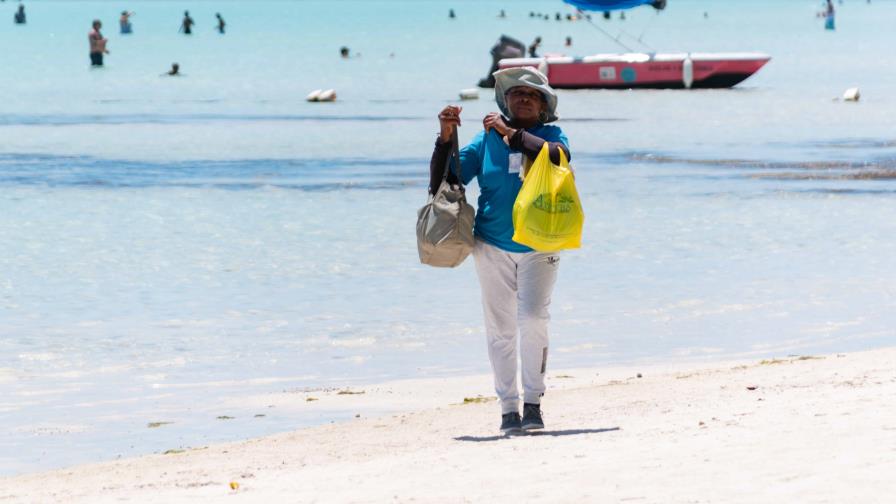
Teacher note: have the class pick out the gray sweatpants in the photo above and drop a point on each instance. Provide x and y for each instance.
(516, 293)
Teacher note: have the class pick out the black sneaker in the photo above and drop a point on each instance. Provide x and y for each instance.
(532, 417)
(510, 422)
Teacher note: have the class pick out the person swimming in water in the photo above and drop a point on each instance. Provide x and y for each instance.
(124, 22)
(221, 23)
(186, 25)
(174, 72)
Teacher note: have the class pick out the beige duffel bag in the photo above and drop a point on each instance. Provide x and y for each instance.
(445, 222)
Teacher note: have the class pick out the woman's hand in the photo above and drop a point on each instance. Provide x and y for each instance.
(449, 118)
(494, 121)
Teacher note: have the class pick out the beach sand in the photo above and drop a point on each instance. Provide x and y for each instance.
(795, 429)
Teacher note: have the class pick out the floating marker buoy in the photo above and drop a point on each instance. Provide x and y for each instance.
(469, 94)
(851, 94)
(327, 96)
(314, 95)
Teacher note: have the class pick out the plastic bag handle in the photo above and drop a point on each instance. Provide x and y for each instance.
(545, 148)
(563, 160)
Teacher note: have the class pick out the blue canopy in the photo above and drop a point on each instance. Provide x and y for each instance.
(608, 5)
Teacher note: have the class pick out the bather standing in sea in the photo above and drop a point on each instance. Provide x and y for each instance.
(186, 25)
(97, 44)
(124, 22)
(19, 16)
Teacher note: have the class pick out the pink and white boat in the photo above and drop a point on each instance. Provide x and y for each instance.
(645, 70)
(630, 69)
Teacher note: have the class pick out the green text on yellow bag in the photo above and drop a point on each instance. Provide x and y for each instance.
(547, 214)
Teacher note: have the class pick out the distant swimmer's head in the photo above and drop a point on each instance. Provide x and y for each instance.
(175, 69)
(343, 51)
(524, 93)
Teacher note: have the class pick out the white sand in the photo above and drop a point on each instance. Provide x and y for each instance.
(813, 430)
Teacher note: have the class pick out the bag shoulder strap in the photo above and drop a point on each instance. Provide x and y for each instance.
(455, 155)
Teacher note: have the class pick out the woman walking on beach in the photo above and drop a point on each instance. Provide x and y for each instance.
(516, 281)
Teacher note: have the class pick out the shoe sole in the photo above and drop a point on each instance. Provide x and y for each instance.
(512, 430)
(532, 426)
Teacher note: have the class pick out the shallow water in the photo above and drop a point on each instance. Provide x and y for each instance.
(169, 245)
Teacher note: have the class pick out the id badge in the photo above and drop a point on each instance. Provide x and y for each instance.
(514, 162)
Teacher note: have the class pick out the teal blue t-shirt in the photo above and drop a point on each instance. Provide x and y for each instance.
(487, 159)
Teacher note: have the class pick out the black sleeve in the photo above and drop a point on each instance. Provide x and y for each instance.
(530, 145)
(437, 164)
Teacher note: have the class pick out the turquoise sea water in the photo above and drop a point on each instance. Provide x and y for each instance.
(170, 244)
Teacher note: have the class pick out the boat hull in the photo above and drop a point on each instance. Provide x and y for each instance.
(645, 71)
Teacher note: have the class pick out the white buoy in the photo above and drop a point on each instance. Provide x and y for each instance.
(687, 72)
(314, 95)
(469, 94)
(851, 94)
(327, 96)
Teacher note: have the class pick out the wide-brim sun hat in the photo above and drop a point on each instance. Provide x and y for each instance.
(527, 77)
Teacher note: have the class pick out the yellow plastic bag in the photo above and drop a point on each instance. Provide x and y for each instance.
(547, 214)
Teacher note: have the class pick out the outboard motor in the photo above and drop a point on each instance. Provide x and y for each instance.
(505, 48)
